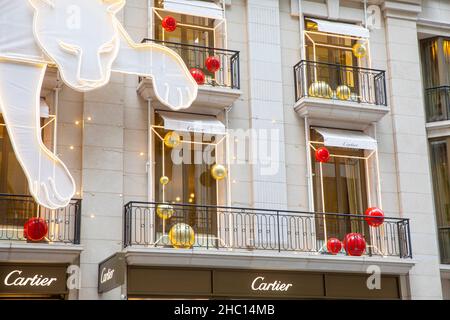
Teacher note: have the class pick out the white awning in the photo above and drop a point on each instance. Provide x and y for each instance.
(195, 7)
(187, 122)
(347, 139)
(342, 28)
(45, 109)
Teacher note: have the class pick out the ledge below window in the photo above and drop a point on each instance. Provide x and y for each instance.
(355, 115)
(210, 100)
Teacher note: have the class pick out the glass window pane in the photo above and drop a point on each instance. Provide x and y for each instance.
(440, 156)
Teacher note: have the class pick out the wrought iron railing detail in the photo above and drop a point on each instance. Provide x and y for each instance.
(339, 82)
(437, 103)
(225, 228)
(195, 57)
(63, 224)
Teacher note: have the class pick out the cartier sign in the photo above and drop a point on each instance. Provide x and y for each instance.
(259, 284)
(111, 273)
(33, 279)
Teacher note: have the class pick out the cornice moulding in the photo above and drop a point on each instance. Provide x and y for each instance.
(400, 10)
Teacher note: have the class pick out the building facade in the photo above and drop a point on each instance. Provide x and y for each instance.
(230, 198)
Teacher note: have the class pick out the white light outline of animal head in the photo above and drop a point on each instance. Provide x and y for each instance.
(33, 188)
(116, 7)
(113, 9)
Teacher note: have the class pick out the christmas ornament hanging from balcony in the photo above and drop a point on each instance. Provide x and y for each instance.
(172, 139)
(374, 217)
(334, 246)
(219, 172)
(343, 92)
(359, 50)
(212, 64)
(320, 89)
(182, 236)
(354, 244)
(164, 180)
(198, 76)
(35, 229)
(322, 154)
(165, 211)
(169, 24)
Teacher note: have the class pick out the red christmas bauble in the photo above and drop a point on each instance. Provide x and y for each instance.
(35, 229)
(198, 75)
(322, 154)
(374, 217)
(334, 246)
(169, 24)
(355, 244)
(212, 64)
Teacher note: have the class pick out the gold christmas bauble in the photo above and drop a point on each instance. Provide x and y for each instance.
(343, 92)
(182, 236)
(219, 172)
(165, 211)
(172, 139)
(164, 180)
(320, 89)
(359, 50)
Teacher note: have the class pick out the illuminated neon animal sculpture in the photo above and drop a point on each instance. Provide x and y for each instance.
(86, 41)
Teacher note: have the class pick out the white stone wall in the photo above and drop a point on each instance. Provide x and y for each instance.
(109, 169)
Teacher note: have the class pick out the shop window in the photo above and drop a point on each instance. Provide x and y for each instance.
(184, 172)
(436, 78)
(346, 184)
(195, 39)
(440, 160)
(336, 61)
(14, 210)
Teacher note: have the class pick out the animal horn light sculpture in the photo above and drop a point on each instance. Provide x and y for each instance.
(35, 33)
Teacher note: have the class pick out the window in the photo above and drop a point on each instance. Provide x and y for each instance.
(336, 63)
(347, 184)
(187, 166)
(15, 209)
(436, 78)
(12, 178)
(440, 160)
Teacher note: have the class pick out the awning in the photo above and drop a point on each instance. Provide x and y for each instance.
(347, 139)
(45, 109)
(195, 7)
(341, 28)
(187, 122)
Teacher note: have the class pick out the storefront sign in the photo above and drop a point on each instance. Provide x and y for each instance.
(259, 285)
(228, 283)
(111, 273)
(270, 284)
(33, 279)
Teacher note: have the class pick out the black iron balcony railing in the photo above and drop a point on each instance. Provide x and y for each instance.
(16, 210)
(339, 82)
(437, 103)
(195, 57)
(444, 243)
(217, 228)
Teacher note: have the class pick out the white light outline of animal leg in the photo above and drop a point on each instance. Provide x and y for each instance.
(34, 183)
(124, 37)
(105, 78)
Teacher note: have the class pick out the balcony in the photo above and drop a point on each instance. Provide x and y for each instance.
(330, 92)
(221, 88)
(59, 245)
(226, 229)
